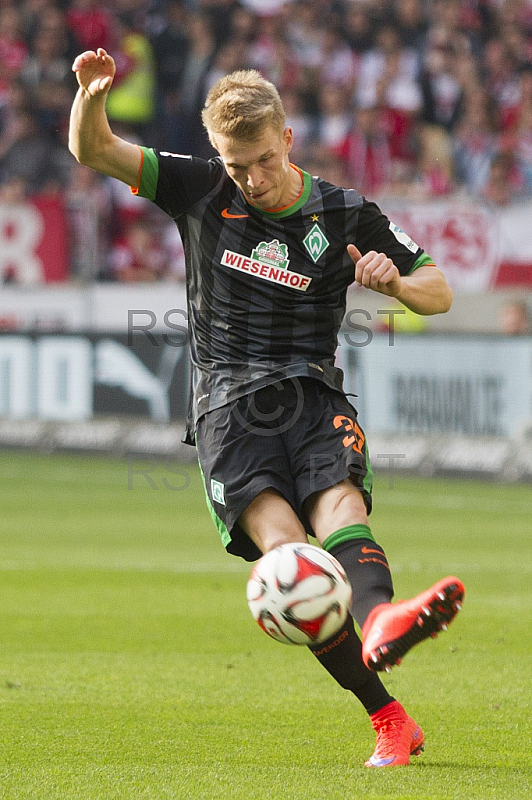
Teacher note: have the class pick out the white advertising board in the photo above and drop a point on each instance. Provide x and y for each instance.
(475, 386)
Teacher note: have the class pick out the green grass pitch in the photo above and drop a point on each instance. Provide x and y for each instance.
(131, 668)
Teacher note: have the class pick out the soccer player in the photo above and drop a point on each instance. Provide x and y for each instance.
(270, 253)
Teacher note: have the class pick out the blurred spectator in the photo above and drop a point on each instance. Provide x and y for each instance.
(500, 78)
(302, 123)
(335, 116)
(338, 64)
(219, 14)
(170, 46)
(92, 24)
(505, 180)
(517, 42)
(13, 49)
(229, 58)
(388, 74)
(523, 98)
(138, 256)
(389, 81)
(243, 27)
(475, 143)
(273, 56)
(442, 93)
(467, 73)
(366, 153)
(457, 23)
(517, 138)
(410, 21)
(25, 153)
(305, 33)
(169, 131)
(515, 319)
(132, 97)
(184, 105)
(14, 191)
(435, 175)
(481, 16)
(18, 98)
(359, 28)
(51, 19)
(32, 12)
(47, 73)
(522, 146)
(518, 12)
(265, 7)
(263, 53)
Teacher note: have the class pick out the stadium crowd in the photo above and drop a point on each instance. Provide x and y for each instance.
(408, 98)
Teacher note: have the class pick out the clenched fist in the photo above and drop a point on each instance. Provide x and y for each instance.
(375, 271)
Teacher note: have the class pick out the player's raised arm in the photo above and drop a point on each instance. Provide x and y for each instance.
(91, 139)
(425, 291)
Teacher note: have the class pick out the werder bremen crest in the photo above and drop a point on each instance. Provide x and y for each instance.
(316, 242)
(273, 253)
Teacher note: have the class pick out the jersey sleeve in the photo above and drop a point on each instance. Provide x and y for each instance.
(376, 232)
(176, 182)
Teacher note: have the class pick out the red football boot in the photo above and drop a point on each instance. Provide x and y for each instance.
(398, 737)
(391, 629)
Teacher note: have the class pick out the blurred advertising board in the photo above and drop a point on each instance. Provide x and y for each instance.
(34, 241)
(72, 378)
(430, 404)
(478, 246)
(440, 385)
(429, 384)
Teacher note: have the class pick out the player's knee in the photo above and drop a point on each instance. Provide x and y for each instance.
(350, 506)
(337, 507)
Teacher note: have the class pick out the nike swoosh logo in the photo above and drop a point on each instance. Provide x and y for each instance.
(368, 550)
(227, 215)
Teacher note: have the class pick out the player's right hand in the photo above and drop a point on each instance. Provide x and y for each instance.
(95, 71)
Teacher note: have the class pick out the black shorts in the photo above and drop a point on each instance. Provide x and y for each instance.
(297, 436)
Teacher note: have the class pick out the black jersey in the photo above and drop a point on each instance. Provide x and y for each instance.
(266, 289)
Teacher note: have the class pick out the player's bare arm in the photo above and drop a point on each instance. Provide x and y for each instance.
(91, 139)
(425, 291)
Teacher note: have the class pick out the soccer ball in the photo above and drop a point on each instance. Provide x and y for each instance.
(299, 594)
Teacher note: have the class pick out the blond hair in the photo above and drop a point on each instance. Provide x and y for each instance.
(241, 105)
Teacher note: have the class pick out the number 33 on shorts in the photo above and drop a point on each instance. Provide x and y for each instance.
(354, 438)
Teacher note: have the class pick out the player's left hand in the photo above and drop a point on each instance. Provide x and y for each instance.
(375, 271)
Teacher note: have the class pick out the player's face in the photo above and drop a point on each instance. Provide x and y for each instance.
(261, 169)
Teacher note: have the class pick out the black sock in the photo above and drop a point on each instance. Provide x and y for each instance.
(368, 572)
(341, 655)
